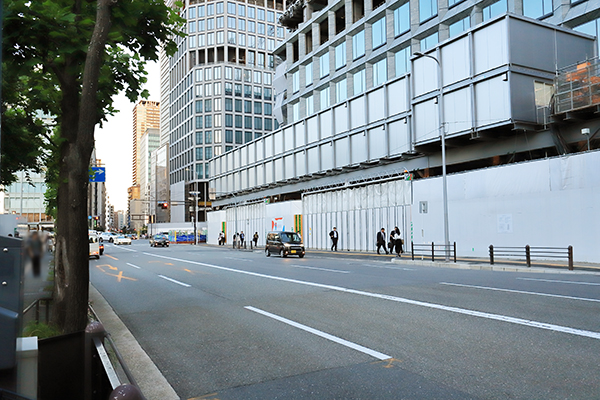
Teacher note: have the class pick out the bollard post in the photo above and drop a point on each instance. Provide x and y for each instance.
(432, 252)
(491, 254)
(570, 251)
(528, 255)
(412, 250)
(454, 251)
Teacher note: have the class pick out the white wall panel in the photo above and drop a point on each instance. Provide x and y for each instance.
(236, 158)
(288, 134)
(492, 101)
(342, 152)
(457, 111)
(326, 128)
(300, 163)
(260, 150)
(397, 97)
(456, 61)
(229, 157)
(243, 178)
(260, 174)
(289, 166)
(278, 169)
(269, 178)
(426, 121)
(357, 109)
(244, 155)
(376, 104)
(313, 159)
(377, 143)
(327, 156)
(251, 177)
(425, 75)
(490, 47)
(341, 118)
(268, 146)
(278, 139)
(252, 153)
(359, 147)
(299, 134)
(312, 127)
(398, 137)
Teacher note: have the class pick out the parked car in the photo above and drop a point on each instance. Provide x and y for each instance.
(284, 244)
(122, 239)
(108, 236)
(159, 240)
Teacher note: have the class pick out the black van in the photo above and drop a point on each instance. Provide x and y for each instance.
(284, 244)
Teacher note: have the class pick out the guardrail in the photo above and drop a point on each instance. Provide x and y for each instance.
(36, 304)
(529, 252)
(429, 250)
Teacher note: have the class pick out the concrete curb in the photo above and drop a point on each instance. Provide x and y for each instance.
(151, 381)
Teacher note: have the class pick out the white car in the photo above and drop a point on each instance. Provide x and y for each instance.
(121, 239)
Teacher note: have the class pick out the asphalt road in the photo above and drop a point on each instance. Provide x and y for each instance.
(226, 324)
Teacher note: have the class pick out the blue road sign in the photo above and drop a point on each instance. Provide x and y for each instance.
(98, 174)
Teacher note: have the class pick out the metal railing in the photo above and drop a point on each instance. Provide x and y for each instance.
(577, 87)
(36, 305)
(430, 250)
(529, 252)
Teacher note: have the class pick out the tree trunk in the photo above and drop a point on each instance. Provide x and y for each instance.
(79, 117)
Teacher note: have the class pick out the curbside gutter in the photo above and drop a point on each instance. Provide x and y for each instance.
(151, 381)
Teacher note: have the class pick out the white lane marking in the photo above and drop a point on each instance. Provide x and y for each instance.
(123, 248)
(382, 267)
(521, 292)
(134, 266)
(321, 269)
(239, 259)
(322, 334)
(496, 317)
(175, 281)
(556, 281)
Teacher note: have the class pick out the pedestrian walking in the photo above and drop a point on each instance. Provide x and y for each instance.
(242, 240)
(255, 239)
(221, 238)
(34, 251)
(392, 241)
(399, 242)
(381, 236)
(334, 238)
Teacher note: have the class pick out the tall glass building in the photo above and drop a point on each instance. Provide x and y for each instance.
(219, 86)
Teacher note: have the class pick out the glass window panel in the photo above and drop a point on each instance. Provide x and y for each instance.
(358, 45)
(208, 137)
(340, 55)
(402, 19)
(324, 65)
(359, 82)
(308, 71)
(459, 26)
(341, 91)
(378, 32)
(427, 9)
(402, 61)
(380, 72)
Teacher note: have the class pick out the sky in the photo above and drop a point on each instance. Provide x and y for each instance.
(114, 141)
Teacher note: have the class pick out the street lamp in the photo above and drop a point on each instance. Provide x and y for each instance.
(443, 136)
(586, 133)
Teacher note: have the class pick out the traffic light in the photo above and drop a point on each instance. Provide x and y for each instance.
(96, 217)
(164, 206)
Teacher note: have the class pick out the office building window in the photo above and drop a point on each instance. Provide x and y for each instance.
(324, 65)
(238, 121)
(228, 136)
(308, 70)
(231, 22)
(238, 137)
(427, 9)
(248, 122)
(198, 106)
(494, 9)
(402, 61)
(359, 82)
(230, 37)
(258, 92)
(217, 121)
(238, 105)
(380, 72)
(459, 26)
(217, 136)
(358, 45)
(199, 153)
(251, 12)
(210, 9)
(268, 124)
(199, 137)
(402, 19)
(228, 148)
(207, 105)
(229, 120)
(241, 39)
(247, 107)
(295, 81)
(429, 42)
(341, 91)
(208, 137)
(208, 121)
(247, 136)
(206, 171)
(324, 94)
(241, 10)
(258, 123)
(296, 111)
(208, 153)
(198, 122)
(230, 8)
(199, 170)
(238, 89)
(218, 150)
(192, 12)
(247, 91)
(268, 109)
(257, 107)
(340, 55)
(210, 24)
(192, 42)
(378, 32)
(228, 104)
(537, 8)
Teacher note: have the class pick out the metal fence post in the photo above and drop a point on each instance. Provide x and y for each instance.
(570, 250)
(432, 252)
(528, 255)
(454, 251)
(412, 250)
(491, 254)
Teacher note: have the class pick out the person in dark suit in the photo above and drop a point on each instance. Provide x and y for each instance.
(334, 239)
(381, 241)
